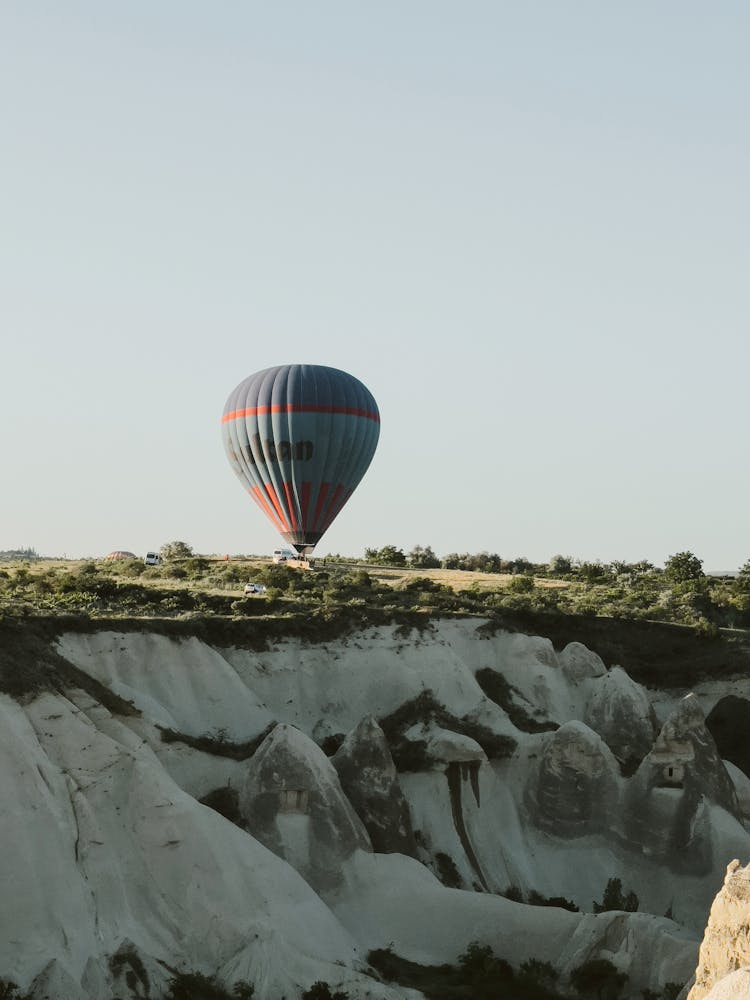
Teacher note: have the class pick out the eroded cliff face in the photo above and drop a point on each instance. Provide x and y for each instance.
(550, 778)
(724, 960)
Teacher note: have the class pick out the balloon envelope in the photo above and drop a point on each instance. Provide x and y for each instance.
(300, 438)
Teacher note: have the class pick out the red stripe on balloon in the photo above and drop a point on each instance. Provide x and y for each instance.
(291, 505)
(256, 411)
(257, 493)
(275, 501)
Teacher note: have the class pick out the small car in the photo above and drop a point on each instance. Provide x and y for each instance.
(255, 588)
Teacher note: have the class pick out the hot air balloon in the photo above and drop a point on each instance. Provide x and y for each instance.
(300, 438)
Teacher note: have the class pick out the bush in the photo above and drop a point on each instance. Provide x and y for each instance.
(447, 871)
(598, 978)
(478, 976)
(322, 991)
(487, 974)
(537, 899)
(9, 991)
(196, 986)
(225, 801)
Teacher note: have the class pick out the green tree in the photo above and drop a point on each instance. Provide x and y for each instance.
(683, 567)
(560, 565)
(520, 565)
(741, 584)
(614, 899)
(592, 572)
(423, 558)
(389, 555)
(171, 551)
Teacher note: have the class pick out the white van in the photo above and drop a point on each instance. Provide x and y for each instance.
(152, 559)
(281, 555)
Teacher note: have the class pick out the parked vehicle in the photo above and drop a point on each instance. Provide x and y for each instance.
(283, 555)
(255, 588)
(152, 559)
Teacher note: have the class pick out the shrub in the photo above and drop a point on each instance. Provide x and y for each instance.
(225, 801)
(9, 991)
(537, 899)
(487, 974)
(196, 986)
(447, 871)
(599, 978)
(540, 972)
(322, 991)
(706, 629)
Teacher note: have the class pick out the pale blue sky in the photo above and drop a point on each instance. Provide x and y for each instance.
(523, 225)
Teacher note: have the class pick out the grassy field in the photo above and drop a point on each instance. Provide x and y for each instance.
(211, 585)
(456, 579)
(249, 566)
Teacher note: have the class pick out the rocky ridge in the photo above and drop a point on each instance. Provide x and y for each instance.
(574, 775)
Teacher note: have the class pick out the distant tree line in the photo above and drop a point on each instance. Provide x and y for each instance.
(11, 555)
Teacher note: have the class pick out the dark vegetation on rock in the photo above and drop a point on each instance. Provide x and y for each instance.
(480, 975)
(498, 689)
(535, 898)
(447, 871)
(217, 743)
(411, 755)
(196, 986)
(225, 801)
(127, 963)
(10, 991)
(29, 665)
(322, 991)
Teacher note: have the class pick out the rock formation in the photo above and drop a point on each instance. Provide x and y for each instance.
(291, 801)
(668, 798)
(580, 663)
(368, 777)
(618, 710)
(724, 958)
(575, 787)
(114, 873)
